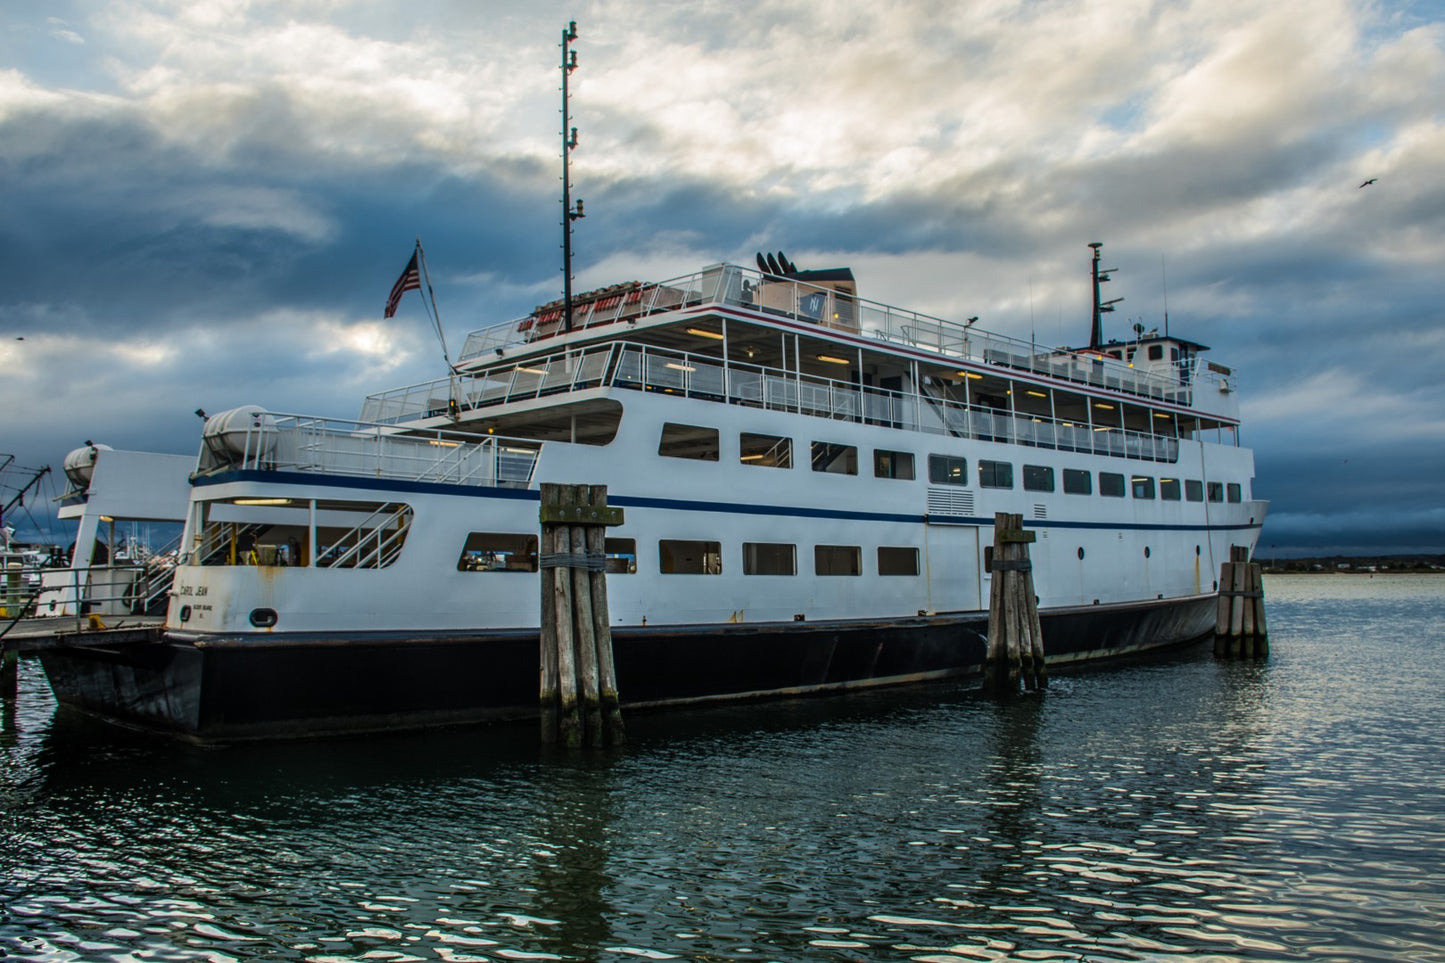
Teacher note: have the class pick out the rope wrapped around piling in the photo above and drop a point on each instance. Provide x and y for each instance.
(587, 561)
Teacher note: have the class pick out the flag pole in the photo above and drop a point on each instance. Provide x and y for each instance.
(452, 403)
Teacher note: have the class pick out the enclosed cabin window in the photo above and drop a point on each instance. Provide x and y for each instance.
(1234, 493)
(1142, 486)
(769, 558)
(995, 474)
(892, 464)
(1038, 478)
(947, 470)
(688, 441)
(1216, 491)
(293, 532)
(677, 556)
(1169, 489)
(837, 560)
(1111, 484)
(765, 451)
(835, 459)
(897, 560)
(621, 556)
(1078, 482)
(1193, 490)
(498, 552)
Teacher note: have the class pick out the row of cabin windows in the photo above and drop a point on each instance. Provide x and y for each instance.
(774, 451)
(952, 470)
(517, 552)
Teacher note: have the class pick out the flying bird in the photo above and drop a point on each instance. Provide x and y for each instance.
(1369, 182)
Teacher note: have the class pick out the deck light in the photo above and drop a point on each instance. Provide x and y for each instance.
(832, 360)
(438, 443)
(971, 374)
(1100, 404)
(1037, 394)
(262, 501)
(679, 367)
(701, 333)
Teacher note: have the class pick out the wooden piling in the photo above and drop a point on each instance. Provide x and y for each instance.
(578, 679)
(9, 675)
(1015, 639)
(1239, 625)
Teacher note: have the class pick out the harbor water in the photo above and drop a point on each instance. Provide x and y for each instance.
(1176, 808)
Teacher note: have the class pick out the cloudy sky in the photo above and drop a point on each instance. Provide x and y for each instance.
(205, 202)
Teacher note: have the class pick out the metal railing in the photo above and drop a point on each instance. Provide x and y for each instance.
(738, 287)
(629, 365)
(281, 442)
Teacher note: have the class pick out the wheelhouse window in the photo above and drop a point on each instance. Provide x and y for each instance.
(1193, 490)
(1169, 489)
(1233, 492)
(1142, 486)
(835, 459)
(1216, 491)
(769, 558)
(947, 470)
(766, 451)
(897, 560)
(995, 474)
(892, 464)
(677, 556)
(837, 560)
(1111, 484)
(688, 441)
(1038, 478)
(1078, 482)
(498, 552)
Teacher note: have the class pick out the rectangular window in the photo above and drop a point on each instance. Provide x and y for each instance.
(1193, 490)
(677, 556)
(498, 552)
(1169, 489)
(835, 459)
(1234, 492)
(893, 464)
(897, 560)
(769, 558)
(1142, 486)
(995, 474)
(837, 560)
(621, 556)
(947, 470)
(688, 441)
(768, 451)
(1111, 484)
(1038, 478)
(1156, 352)
(1078, 482)
(1216, 491)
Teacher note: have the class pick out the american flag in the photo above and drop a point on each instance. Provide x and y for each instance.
(410, 280)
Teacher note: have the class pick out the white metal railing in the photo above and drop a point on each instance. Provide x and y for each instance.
(631, 365)
(281, 442)
(734, 286)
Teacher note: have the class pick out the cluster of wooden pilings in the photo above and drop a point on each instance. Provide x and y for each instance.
(579, 703)
(1015, 639)
(1239, 626)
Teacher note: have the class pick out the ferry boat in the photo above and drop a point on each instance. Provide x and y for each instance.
(809, 480)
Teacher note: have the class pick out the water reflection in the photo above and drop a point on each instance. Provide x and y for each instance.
(1176, 808)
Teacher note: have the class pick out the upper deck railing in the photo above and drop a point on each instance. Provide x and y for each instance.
(281, 442)
(628, 365)
(737, 287)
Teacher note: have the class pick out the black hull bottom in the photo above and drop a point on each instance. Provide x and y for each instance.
(278, 687)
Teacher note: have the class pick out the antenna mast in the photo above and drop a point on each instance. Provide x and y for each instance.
(1096, 335)
(569, 141)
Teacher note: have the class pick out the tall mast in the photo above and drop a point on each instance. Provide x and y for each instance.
(1096, 334)
(569, 141)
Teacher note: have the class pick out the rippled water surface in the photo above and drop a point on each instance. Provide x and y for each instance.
(1176, 809)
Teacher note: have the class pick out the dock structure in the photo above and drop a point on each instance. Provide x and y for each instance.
(1015, 650)
(1240, 630)
(578, 693)
(31, 637)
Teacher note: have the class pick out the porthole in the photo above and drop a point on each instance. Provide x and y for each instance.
(185, 613)
(1081, 553)
(1146, 551)
(263, 618)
